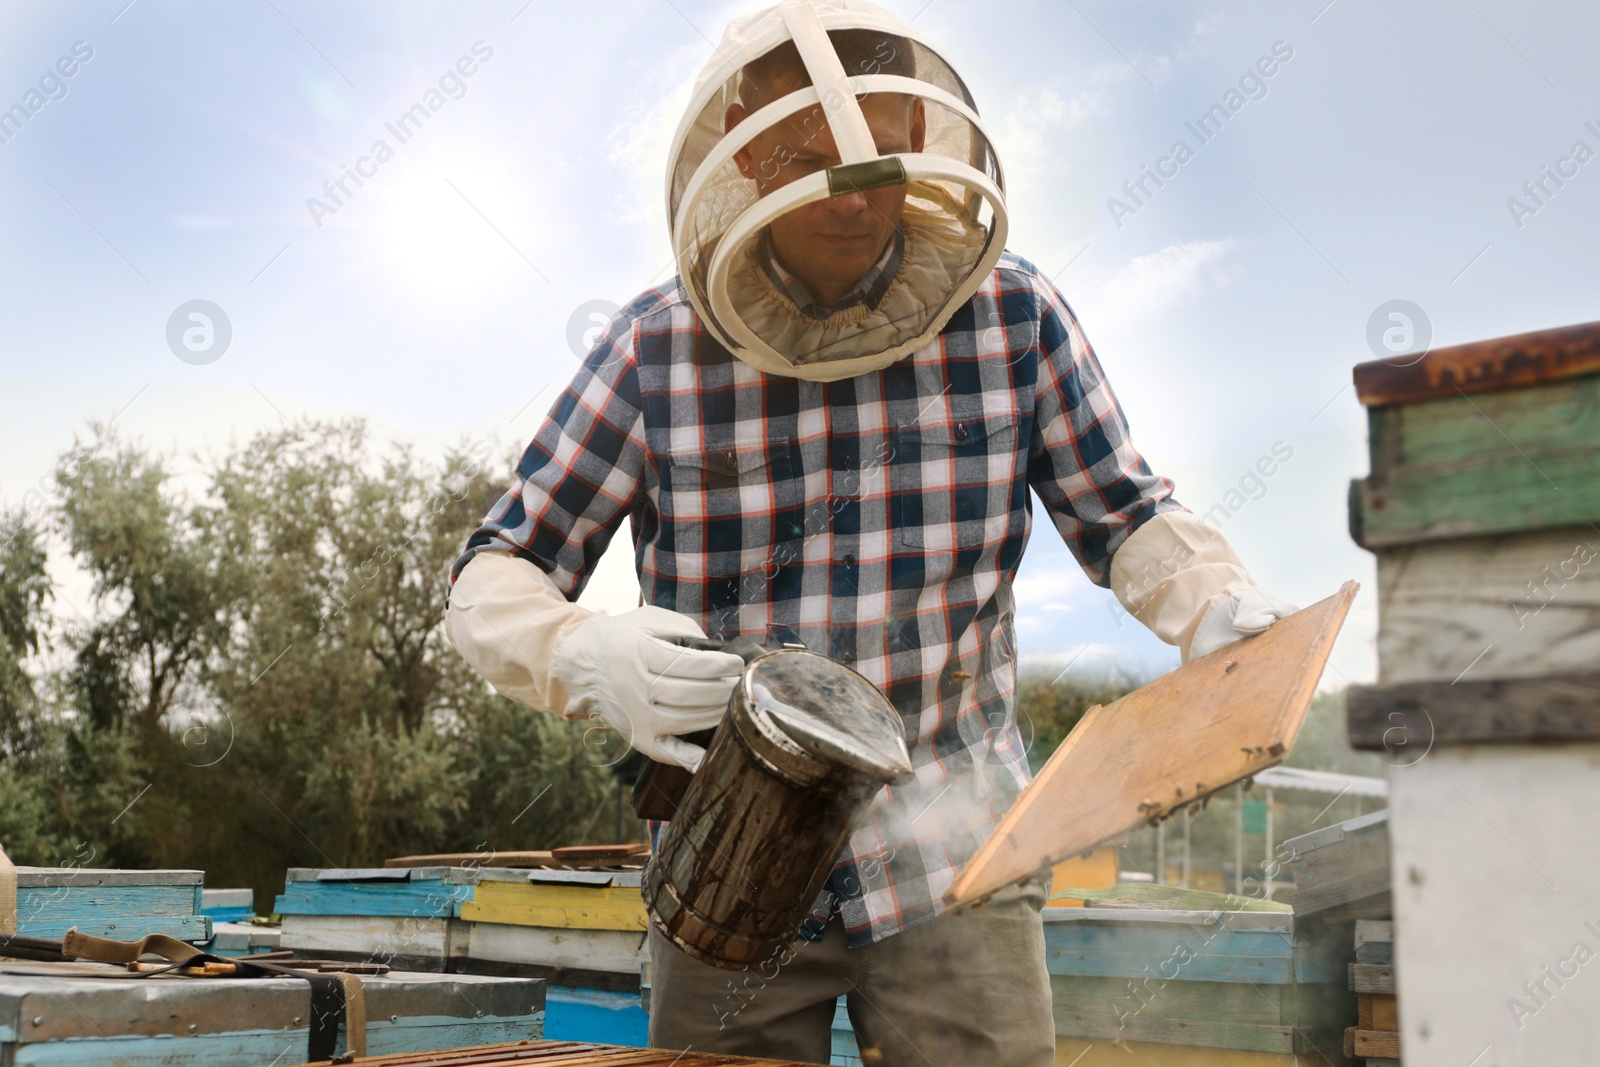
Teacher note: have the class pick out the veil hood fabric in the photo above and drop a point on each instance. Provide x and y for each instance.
(954, 219)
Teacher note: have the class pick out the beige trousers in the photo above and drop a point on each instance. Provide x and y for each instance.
(968, 989)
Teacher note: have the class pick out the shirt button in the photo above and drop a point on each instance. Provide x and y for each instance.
(732, 461)
(847, 658)
(849, 559)
(961, 433)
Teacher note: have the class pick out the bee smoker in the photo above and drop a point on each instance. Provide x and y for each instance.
(805, 746)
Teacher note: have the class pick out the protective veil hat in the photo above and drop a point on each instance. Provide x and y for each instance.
(954, 220)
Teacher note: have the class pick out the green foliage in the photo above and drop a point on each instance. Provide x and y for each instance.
(1048, 709)
(24, 593)
(265, 682)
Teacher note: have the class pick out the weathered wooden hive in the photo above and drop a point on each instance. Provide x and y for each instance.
(1483, 509)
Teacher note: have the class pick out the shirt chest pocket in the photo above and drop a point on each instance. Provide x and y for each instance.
(726, 507)
(958, 484)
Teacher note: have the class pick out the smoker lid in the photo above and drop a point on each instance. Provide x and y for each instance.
(829, 711)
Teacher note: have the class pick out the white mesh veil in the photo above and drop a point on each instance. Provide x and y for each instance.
(953, 221)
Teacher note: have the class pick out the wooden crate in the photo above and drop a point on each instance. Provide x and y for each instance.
(110, 903)
(227, 905)
(557, 906)
(1265, 982)
(58, 1015)
(244, 939)
(1468, 441)
(1483, 508)
(1342, 871)
(583, 931)
(416, 892)
(1098, 1052)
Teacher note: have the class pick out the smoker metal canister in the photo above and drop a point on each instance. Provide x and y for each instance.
(806, 745)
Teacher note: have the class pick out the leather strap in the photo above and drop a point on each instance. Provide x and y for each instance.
(335, 998)
(105, 950)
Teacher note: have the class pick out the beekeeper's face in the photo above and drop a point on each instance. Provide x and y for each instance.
(829, 244)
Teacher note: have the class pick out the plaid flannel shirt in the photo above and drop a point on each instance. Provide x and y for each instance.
(878, 520)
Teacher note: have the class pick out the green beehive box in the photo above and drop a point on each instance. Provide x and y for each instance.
(1494, 437)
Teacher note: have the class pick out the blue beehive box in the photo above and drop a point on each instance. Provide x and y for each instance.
(124, 905)
(67, 1015)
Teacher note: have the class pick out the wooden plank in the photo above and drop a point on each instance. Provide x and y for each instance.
(419, 898)
(1482, 366)
(618, 951)
(1099, 1052)
(1378, 1011)
(574, 1054)
(1375, 1042)
(1190, 733)
(1441, 434)
(1497, 877)
(1202, 1032)
(600, 852)
(424, 943)
(1143, 896)
(80, 877)
(1375, 952)
(68, 1017)
(1370, 930)
(46, 904)
(1340, 864)
(376, 875)
(1484, 496)
(1195, 954)
(1555, 708)
(1474, 467)
(516, 859)
(1372, 977)
(1275, 922)
(571, 907)
(1526, 606)
(1377, 906)
(1214, 1014)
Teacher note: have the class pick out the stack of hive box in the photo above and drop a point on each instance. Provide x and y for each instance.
(584, 930)
(235, 929)
(1483, 511)
(1341, 874)
(1377, 1032)
(89, 1015)
(1196, 983)
(67, 1013)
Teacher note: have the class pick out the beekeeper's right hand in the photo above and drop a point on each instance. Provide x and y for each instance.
(619, 668)
(509, 620)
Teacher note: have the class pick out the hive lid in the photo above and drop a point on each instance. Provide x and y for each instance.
(829, 711)
(1481, 366)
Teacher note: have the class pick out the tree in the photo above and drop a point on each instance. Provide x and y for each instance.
(265, 681)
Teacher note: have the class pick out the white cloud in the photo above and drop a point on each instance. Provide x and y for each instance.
(642, 139)
(1055, 152)
(1151, 285)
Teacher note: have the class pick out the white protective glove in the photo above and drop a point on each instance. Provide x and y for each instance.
(510, 620)
(1244, 614)
(1183, 580)
(618, 668)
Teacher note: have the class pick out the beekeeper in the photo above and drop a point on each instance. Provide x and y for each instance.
(825, 430)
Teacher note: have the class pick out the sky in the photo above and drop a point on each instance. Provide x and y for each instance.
(1382, 159)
